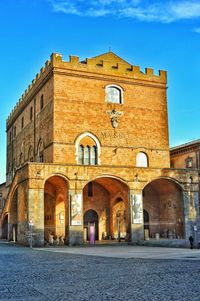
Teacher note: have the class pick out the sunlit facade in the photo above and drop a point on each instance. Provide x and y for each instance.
(88, 158)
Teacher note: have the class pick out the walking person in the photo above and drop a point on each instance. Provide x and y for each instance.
(191, 240)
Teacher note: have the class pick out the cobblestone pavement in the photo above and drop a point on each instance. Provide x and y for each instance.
(30, 274)
(129, 251)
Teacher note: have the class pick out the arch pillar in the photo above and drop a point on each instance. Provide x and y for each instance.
(136, 216)
(191, 212)
(36, 214)
(9, 228)
(22, 224)
(13, 217)
(76, 217)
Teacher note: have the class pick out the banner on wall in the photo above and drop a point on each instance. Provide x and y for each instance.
(137, 212)
(76, 205)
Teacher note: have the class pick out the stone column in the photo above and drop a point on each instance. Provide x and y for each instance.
(191, 212)
(36, 214)
(22, 225)
(136, 216)
(75, 217)
(9, 228)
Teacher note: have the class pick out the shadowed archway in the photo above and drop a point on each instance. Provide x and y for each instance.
(163, 200)
(5, 227)
(13, 218)
(109, 197)
(56, 208)
(91, 217)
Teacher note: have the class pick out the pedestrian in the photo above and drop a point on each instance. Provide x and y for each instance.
(191, 240)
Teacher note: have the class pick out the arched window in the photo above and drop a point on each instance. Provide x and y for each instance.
(15, 131)
(93, 155)
(113, 94)
(87, 149)
(31, 113)
(41, 102)
(30, 154)
(22, 122)
(141, 160)
(80, 154)
(40, 151)
(87, 155)
(21, 159)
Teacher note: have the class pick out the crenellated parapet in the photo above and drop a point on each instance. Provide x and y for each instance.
(29, 92)
(108, 64)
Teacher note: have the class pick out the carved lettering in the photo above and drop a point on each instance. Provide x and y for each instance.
(113, 135)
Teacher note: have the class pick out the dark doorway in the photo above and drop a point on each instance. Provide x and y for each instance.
(146, 224)
(5, 228)
(91, 216)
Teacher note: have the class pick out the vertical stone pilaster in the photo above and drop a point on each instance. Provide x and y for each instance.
(75, 217)
(22, 225)
(191, 212)
(136, 216)
(9, 228)
(36, 214)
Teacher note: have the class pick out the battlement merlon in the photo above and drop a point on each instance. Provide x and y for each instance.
(29, 92)
(108, 64)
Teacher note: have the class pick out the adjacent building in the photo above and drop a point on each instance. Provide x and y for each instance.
(186, 155)
(88, 155)
(2, 196)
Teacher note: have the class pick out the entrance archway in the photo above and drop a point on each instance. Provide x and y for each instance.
(109, 198)
(13, 219)
(163, 201)
(56, 209)
(91, 217)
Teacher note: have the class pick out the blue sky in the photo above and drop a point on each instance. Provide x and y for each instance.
(158, 34)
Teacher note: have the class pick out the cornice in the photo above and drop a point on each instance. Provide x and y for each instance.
(106, 77)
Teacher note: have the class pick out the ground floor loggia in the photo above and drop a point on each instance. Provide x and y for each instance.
(93, 205)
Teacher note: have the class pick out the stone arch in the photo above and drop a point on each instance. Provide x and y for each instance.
(163, 200)
(56, 208)
(57, 174)
(111, 177)
(85, 140)
(109, 196)
(166, 178)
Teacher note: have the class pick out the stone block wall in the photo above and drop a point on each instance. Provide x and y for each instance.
(22, 141)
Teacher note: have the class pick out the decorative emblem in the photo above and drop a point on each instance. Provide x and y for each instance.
(114, 117)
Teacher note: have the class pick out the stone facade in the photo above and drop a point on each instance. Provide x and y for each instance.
(87, 147)
(186, 155)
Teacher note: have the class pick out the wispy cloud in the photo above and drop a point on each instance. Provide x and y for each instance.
(197, 30)
(145, 10)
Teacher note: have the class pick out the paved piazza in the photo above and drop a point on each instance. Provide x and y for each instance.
(99, 273)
